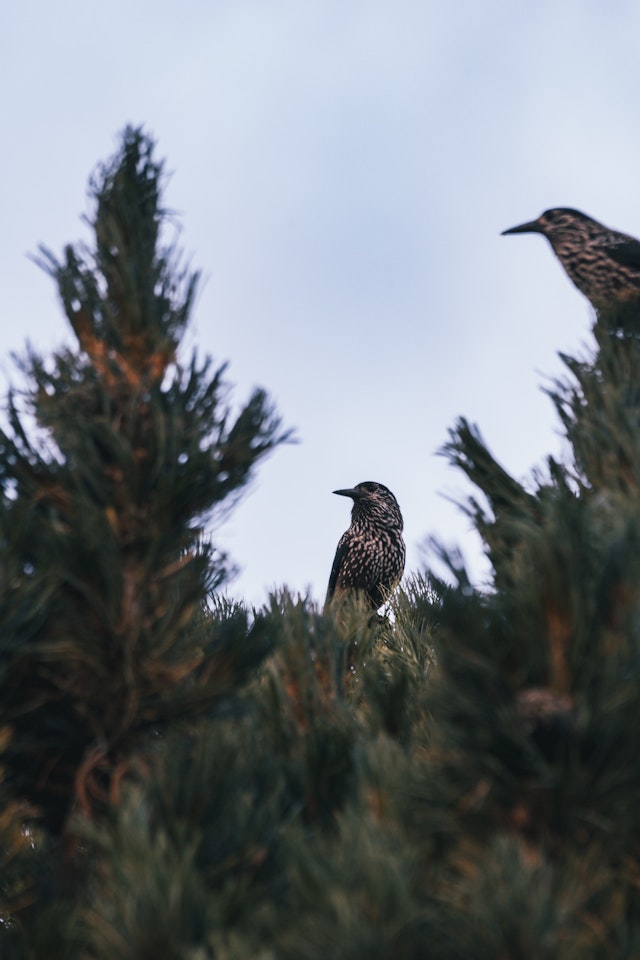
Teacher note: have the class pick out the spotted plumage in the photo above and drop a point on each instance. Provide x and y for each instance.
(602, 263)
(370, 557)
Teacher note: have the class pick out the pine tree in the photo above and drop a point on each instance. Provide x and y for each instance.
(184, 778)
(115, 455)
(538, 690)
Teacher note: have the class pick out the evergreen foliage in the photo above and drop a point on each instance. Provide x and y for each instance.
(114, 456)
(185, 778)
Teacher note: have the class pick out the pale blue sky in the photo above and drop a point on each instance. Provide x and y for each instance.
(343, 169)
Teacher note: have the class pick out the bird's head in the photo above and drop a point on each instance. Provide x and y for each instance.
(557, 223)
(374, 502)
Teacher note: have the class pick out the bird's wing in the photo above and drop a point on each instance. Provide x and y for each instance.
(338, 561)
(626, 252)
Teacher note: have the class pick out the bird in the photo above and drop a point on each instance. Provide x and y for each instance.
(602, 263)
(370, 556)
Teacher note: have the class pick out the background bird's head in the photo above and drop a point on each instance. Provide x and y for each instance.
(560, 224)
(374, 502)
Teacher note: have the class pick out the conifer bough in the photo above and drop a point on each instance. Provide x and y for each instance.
(105, 617)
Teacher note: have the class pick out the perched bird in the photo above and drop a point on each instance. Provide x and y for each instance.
(370, 556)
(602, 263)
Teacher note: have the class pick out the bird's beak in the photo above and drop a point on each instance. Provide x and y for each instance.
(348, 493)
(533, 226)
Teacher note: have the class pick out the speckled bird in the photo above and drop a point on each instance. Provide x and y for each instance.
(602, 263)
(371, 554)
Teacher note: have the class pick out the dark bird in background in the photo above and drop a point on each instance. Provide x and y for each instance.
(371, 554)
(602, 263)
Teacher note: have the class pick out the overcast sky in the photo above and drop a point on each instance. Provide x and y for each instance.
(342, 169)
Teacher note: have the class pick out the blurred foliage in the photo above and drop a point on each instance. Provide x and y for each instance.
(183, 777)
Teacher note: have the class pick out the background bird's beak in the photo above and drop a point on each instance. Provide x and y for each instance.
(347, 493)
(533, 226)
